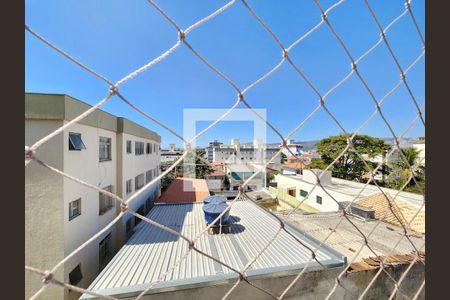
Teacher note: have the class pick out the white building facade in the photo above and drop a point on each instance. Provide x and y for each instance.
(257, 153)
(296, 149)
(336, 190)
(61, 214)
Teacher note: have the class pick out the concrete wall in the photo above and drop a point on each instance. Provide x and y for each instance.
(44, 207)
(311, 286)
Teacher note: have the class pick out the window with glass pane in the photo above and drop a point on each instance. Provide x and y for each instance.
(74, 209)
(140, 211)
(129, 227)
(139, 148)
(303, 193)
(75, 275)
(148, 176)
(129, 186)
(105, 202)
(104, 148)
(319, 200)
(104, 251)
(139, 181)
(75, 142)
(129, 147)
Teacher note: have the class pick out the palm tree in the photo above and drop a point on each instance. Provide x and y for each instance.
(402, 167)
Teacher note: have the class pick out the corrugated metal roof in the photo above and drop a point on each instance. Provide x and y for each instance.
(152, 251)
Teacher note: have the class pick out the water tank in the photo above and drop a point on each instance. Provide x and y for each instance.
(214, 208)
(215, 199)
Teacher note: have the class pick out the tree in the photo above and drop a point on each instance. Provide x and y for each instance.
(283, 157)
(195, 164)
(401, 169)
(318, 163)
(190, 165)
(349, 166)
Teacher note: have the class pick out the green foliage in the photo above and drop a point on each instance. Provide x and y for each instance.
(283, 157)
(190, 164)
(194, 164)
(318, 163)
(349, 165)
(401, 169)
(269, 177)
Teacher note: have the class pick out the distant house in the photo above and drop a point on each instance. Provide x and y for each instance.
(334, 191)
(294, 148)
(110, 152)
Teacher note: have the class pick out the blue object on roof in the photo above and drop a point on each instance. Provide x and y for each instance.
(215, 199)
(213, 209)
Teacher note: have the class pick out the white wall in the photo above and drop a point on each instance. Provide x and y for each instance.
(43, 208)
(85, 165)
(131, 165)
(328, 204)
(421, 149)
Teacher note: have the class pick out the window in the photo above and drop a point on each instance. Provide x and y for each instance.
(104, 148)
(129, 150)
(75, 275)
(149, 203)
(148, 176)
(129, 186)
(149, 148)
(74, 209)
(319, 200)
(104, 251)
(105, 202)
(138, 148)
(140, 211)
(129, 227)
(139, 181)
(75, 142)
(303, 193)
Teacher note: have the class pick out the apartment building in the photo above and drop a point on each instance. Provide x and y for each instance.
(210, 149)
(296, 149)
(110, 152)
(258, 152)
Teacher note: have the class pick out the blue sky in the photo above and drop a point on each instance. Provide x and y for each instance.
(116, 37)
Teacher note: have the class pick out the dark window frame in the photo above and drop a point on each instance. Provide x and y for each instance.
(137, 185)
(129, 188)
(129, 147)
(105, 251)
(73, 136)
(319, 200)
(73, 216)
(75, 278)
(303, 193)
(104, 143)
(102, 209)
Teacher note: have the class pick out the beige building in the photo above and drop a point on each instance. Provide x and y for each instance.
(110, 152)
